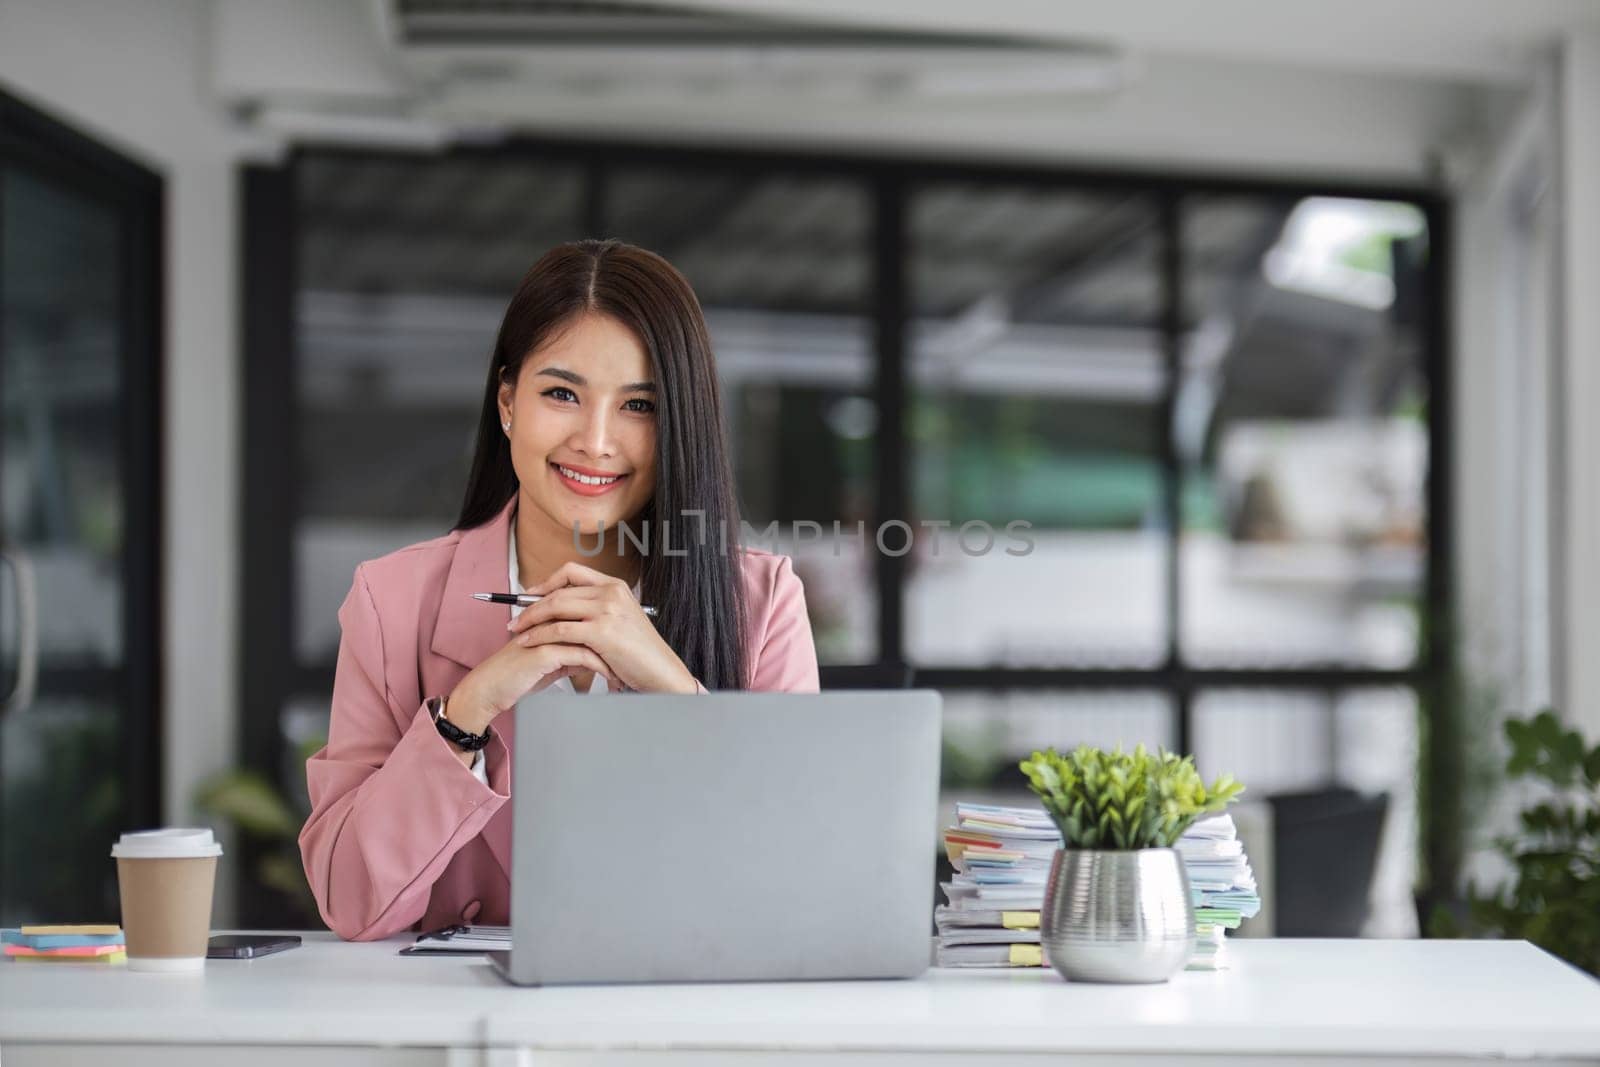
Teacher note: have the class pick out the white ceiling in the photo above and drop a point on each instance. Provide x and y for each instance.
(1465, 40)
(1371, 89)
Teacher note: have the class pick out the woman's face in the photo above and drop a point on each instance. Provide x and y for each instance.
(583, 425)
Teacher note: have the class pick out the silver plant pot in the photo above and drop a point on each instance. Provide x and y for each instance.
(1117, 916)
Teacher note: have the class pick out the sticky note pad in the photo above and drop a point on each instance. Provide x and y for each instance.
(1027, 956)
(17, 937)
(120, 955)
(90, 928)
(82, 952)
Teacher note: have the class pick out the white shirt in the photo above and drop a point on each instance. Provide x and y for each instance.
(597, 683)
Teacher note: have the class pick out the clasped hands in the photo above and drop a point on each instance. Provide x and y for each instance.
(586, 621)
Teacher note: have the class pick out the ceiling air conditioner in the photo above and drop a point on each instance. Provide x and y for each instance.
(421, 73)
(501, 53)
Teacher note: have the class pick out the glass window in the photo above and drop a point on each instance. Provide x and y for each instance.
(1301, 421)
(1321, 760)
(1041, 427)
(986, 734)
(782, 268)
(1036, 384)
(63, 780)
(405, 268)
(78, 304)
(62, 482)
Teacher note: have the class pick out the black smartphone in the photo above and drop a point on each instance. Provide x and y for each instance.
(249, 946)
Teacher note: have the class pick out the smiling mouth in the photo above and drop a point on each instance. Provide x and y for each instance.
(584, 482)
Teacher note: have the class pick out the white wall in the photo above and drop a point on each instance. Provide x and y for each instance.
(1579, 332)
(1506, 407)
(134, 76)
(1472, 40)
(1527, 385)
(1503, 482)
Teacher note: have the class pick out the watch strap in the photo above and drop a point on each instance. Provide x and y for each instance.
(466, 742)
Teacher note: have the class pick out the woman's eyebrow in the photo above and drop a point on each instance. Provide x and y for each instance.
(578, 379)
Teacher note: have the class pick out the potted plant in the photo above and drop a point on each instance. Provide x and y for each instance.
(1117, 906)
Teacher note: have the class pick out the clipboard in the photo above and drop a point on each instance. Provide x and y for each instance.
(460, 940)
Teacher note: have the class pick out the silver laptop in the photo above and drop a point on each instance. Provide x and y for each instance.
(723, 837)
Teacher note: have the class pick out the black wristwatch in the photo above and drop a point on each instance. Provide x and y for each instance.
(451, 732)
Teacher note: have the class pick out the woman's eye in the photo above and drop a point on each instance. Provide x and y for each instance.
(561, 393)
(644, 407)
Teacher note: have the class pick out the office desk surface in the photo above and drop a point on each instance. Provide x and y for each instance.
(1357, 998)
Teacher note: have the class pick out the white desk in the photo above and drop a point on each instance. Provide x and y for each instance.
(331, 1003)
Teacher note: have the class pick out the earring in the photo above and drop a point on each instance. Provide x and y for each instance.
(506, 426)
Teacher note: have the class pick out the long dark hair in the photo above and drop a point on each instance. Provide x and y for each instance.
(700, 594)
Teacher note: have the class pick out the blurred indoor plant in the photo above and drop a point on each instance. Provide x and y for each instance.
(1117, 905)
(1555, 898)
(1458, 772)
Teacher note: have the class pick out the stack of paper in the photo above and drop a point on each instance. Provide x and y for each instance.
(84, 944)
(1208, 948)
(1002, 859)
(1222, 884)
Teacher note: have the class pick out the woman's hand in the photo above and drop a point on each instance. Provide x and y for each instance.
(581, 606)
(512, 672)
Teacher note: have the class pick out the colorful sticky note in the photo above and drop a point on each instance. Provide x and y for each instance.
(79, 951)
(1027, 956)
(17, 937)
(118, 956)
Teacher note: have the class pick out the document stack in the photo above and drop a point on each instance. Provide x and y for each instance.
(1222, 884)
(1001, 858)
(83, 944)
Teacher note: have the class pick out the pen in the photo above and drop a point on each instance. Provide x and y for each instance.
(522, 600)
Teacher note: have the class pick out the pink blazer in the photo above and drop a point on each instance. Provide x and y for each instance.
(401, 832)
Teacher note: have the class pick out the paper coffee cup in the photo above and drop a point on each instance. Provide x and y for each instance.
(165, 878)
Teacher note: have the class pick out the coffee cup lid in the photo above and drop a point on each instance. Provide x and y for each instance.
(166, 844)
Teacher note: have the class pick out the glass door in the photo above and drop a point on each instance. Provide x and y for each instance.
(79, 292)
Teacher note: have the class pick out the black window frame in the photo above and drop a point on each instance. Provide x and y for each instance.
(270, 676)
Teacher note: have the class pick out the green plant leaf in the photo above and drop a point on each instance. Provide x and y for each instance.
(246, 799)
(1123, 800)
(1554, 898)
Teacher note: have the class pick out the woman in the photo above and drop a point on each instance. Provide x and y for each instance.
(601, 409)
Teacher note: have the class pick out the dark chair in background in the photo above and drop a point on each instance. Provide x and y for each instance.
(1325, 847)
